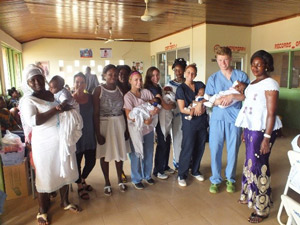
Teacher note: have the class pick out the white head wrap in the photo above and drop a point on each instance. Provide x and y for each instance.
(30, 71)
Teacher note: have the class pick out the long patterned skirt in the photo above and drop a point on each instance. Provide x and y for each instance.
(256, 178)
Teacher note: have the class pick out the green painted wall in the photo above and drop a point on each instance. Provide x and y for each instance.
(289, 107)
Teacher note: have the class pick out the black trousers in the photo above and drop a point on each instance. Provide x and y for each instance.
(90, 161)
(161, 161)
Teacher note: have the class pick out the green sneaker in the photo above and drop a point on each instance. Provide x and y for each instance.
(214, 188)
(230, 187)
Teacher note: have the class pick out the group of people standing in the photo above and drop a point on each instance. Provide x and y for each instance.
(110, 132)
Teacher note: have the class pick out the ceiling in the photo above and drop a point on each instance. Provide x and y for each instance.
(27, 20)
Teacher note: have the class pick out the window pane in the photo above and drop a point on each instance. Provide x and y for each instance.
(171, 56)
(296, 70)
(184, 53)
(6, 68)
(161, 66)
(280, 73)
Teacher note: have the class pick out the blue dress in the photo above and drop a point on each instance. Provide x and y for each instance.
(87, 140)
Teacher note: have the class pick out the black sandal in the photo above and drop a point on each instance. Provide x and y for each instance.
(255, 218)
(87, 187)
(82, 194)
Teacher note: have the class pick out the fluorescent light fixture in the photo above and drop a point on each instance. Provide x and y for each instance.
(121, 62)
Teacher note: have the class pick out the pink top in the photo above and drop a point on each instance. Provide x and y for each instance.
(131, 101)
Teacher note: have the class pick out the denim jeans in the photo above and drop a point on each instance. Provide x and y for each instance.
(142, 168)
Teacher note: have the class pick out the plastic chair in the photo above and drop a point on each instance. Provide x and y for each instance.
(292, 208)
(293, 180)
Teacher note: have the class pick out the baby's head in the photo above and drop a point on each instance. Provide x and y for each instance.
(168, 89)
(240, 87)
(155, 101)
(56, 84)
(201, 92)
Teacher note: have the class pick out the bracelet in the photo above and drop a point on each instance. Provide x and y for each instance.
(267, 135)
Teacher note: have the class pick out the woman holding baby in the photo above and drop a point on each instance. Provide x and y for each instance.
(194, 130)
(141, 167)
(163, 140)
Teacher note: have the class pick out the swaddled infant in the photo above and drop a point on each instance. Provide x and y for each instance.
(142, 112)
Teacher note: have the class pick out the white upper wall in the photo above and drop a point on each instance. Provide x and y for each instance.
(277, 36)
(53, 50)
(194, 38)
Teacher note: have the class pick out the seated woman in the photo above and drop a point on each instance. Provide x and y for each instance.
(7, 121)
(39, 112)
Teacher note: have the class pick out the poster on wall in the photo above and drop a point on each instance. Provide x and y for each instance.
(86, 53)
(138, 66)
(105, 52)
(45, 66)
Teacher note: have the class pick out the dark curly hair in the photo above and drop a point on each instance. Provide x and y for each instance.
(59, 80)
(107, 68)
(266, 57)
(179, 62)
(80, 74)
(12, 90)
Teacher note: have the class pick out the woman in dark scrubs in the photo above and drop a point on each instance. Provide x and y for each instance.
(194, 130)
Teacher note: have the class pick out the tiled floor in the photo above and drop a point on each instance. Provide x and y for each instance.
(163, 203)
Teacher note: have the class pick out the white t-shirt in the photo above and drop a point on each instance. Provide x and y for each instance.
(253, 114)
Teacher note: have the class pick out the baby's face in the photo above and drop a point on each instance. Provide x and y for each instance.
(240, 87)
(168, 89)
(54, 87)
(201, 92)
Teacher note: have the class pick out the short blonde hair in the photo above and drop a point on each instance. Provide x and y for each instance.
(223, 50)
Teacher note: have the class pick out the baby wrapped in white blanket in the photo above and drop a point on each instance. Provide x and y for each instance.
(236, 88)
(166, 116)
(139, 114)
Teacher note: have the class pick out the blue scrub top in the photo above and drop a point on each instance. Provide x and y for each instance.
(218, 82)
(183, 92)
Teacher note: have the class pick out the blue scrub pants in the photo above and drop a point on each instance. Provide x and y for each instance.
(142, 168)
(193, 145)
(162, 153)
(219, 132)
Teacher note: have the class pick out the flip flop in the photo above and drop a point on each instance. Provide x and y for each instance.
(107, 190)
(43, 218)
(122, 187)
(82, 194)
(73, 208)
(255, 218)
(87, 187)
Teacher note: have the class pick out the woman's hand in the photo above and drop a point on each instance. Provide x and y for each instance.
(154, 111)
(148, 121)
(265, 146)
(126, 134)
(100, 139)
(199, 109)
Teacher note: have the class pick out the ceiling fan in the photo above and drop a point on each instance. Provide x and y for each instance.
(146, 17)
(110, 39)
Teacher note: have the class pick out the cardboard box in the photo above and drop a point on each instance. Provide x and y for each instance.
(16, 180)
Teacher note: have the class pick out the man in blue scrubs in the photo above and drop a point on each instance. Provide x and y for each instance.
(222, 121)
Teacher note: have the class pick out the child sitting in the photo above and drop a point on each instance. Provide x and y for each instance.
(198, 98)
(237, 88)
(166, 116)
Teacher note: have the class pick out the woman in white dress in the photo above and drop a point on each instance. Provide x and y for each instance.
(110, 127)
(39, 112)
